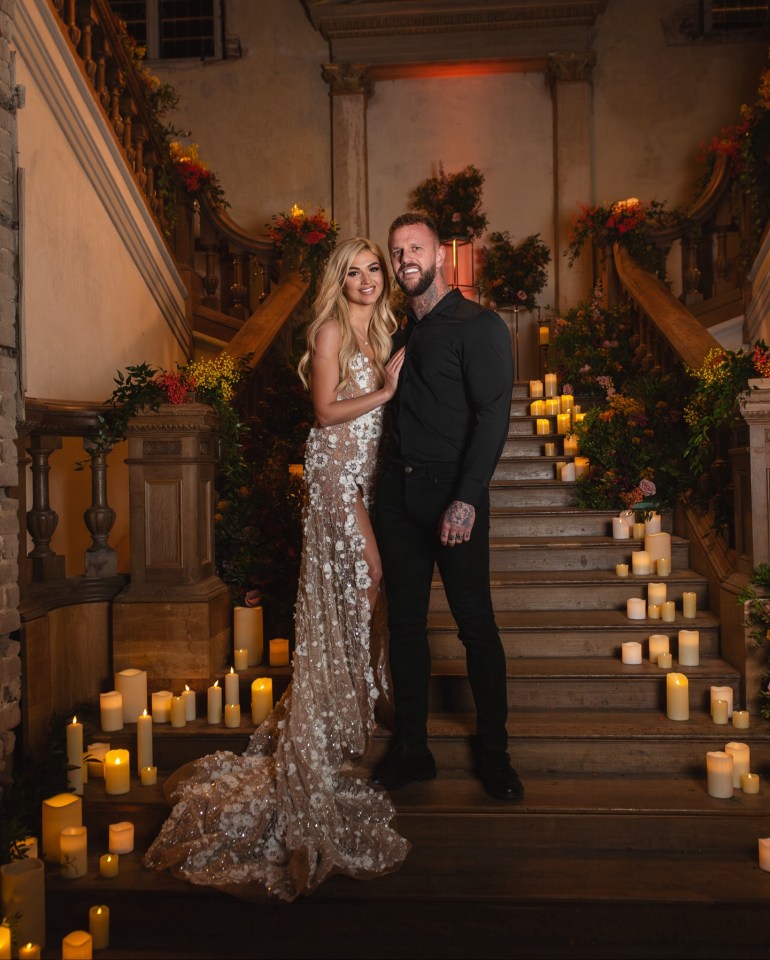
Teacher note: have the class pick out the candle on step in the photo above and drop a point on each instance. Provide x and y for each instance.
(658, 546)
(214, 703)
(550, 449)
(563, 421)
(543, 334)
(619, 529)
(144, 741)
(241, 658)
(764, 853)
(636, 608)
(658, 644)
(29, 951)
(73, 852)
(677, 697)
(719, 774)
(550, 384)
(536, 388)
(60, 811)
(568, 473)
(571, 445)
(640, 563)
(566, 403)
(188, 696)
(663, 566)
(78, 945)
(232, 681)
(552, 406)
(542, 426)
(261, 699)
(99, 926)
(628, 516)
(689, 648)
(631, 652)
(668, 611)
(111, 710)
(178, 712)
(653, 523)
(537, 408)
(582, 467)
(132, 686)
(653, 611)
(117, 772)
(750, 782)
(5, 942)
(161, 706)
(741, 719)
(75, 756)
(232, 715)
(109, 865)
(723, 693)
(148, 776)
(621, 569)
(656, 593)
(741, 755)
(665, 661)
(639, 531)
(689, 609)
(719, 711)
(23, 897)
(279, 652)
(248, 632)
(121, 837)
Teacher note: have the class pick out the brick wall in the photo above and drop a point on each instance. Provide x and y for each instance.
(10, 663)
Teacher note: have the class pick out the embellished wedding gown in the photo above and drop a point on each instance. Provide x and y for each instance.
(290, 811)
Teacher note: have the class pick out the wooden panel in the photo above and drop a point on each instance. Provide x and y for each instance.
(80, 654)
(163, 531)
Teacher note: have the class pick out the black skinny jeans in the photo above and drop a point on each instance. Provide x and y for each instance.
(410, 502)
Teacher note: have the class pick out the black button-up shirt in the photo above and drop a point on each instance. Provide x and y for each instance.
(453, 402)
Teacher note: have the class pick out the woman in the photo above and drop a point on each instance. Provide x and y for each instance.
(289, 812)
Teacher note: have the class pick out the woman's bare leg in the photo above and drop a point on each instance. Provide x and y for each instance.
(371, 553)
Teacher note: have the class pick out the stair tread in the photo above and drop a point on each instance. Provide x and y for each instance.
(584, 668)
(574, 577)
(600, 619)
(570, 540)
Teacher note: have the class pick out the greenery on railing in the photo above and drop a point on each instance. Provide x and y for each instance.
(758, 620)
(513, 274)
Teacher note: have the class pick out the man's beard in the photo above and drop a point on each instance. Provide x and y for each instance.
(425, 281)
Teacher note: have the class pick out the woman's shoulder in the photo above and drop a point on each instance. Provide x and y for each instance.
(328, 337)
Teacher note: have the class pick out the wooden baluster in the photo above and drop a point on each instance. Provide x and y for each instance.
(722, 262)
(116, 81)
(85, 47)
(41, 519)
(128, 120)
(71, 21)
(211, 279)
(238, 289)
(138, 139)
(100, 557)
(692, 274)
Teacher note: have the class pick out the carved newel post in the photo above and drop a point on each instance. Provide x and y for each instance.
(173, 620)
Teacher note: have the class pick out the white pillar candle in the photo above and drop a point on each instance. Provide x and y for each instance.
(719, 711)
(663, 567)
(563, 423)
(552, 406)
(550, 384)
(621, 569)
(689, 648)
(571, 445)
(640, 563)
(631, 652)
(232, 681)
(628, 516)
(677, 697)
(178, 712)
(542, 426)
(719, 774)
(148, 776)
(77, 945)
(668, 611)
(99, 926)
(132, 686)
(741, 755)
(619, 529)
(248, 632)
(750, 782)
(653, 611)
(566, 403)
(722, 693)
(665, 661)
(658, 546)
(568, 473)
(22, 891)
(638, 531)
(121, 837)
(764, 853)
(111, 710)
(653, 523)
(117, 772)
(279, 652)
(214, 703)
(741, 719)
(656, 593)
(689, 608)
(232, 715)
(75, 756)
(536, 388)
(537, 408)
(636, 608)
(144, 740)
(261, 699)
(161, 706)
(241, 658)
(73, 852)
(96, 752)
(5, 942)
(658, 643)
(190, 711)
(109, 865)
(550, 449)
(60, 811)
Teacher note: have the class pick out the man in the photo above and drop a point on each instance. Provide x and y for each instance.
(449, 422)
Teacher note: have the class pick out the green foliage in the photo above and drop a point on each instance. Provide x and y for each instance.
(758, 619)
(453, 202)
(513, 274)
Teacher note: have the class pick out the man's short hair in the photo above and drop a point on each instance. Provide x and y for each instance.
(412, 219)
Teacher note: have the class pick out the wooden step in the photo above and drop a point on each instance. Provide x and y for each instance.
(530, 493)
(573, 553)
(548, 522)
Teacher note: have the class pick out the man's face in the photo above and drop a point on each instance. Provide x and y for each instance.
(415, 258)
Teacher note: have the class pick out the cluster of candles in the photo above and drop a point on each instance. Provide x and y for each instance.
(728, 770)
(567, 413)
(656, 606)
(659, 650)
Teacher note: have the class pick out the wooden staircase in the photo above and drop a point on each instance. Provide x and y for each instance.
(617, 849)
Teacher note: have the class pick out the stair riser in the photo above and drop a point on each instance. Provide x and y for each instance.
(526, 426)
(453, 694)
(535, 468)
(552, 556)
(565, 523)
(572, 596)
(534, 446)
(544, 495)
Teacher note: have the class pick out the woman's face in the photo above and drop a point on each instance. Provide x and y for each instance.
(364, 282)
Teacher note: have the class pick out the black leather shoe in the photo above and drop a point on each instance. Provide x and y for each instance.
(404, 765)
(498, 777)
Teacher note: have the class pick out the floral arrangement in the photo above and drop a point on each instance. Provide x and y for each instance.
(193, 174)
(304, 240)
(453, 202)
(590, 347)
(513, 274)
(758, 620)
(627, 222)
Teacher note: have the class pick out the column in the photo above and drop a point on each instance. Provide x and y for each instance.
(569, 75)
(350, 87)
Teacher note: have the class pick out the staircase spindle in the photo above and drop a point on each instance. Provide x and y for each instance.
(100, 557)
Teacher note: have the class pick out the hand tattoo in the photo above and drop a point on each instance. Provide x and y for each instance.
(460, 514)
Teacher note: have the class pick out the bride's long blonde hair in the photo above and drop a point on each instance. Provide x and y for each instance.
(331, 305)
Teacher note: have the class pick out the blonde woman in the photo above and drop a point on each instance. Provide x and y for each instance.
(290, 812)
